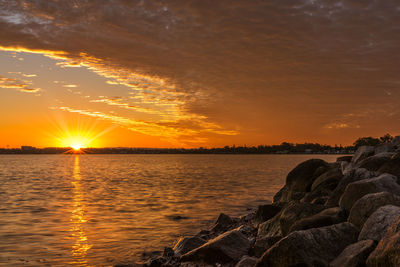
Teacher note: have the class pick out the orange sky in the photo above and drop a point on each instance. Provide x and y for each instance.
(197, 73)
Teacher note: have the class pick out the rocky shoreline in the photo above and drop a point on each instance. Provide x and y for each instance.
(345, 213)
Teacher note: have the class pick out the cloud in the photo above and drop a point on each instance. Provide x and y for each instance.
(70, 85)
(20, 85)
(260, 66)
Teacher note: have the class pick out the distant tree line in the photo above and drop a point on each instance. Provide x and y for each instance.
(283, 148)
(372, 141)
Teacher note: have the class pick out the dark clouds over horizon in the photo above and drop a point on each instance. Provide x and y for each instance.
(299, 70)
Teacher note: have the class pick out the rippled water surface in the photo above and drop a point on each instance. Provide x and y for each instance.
(100, 210)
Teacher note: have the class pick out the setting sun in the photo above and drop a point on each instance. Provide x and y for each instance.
(76, 146)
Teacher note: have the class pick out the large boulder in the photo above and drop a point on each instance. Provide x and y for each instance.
(387, 252)
(263, 244)
(266, 212)
(379, 221)
(228, 247)
(356, 190)
(247, 261)
(344, 158)
(392, 166)
(368, 204)
(295, 211)
(385, 147)
(333, 175)
(270, 228)
(324, 218)
(362, 153)
(396, 141)
(223, 223)
(351, 175)
(313, 247)
(300, 179)
(373, 163)
(354, 255)
(184, 245)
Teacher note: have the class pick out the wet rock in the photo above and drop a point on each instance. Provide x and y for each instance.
(379, 221)
(313, 247)
(228, 247)
(354, 255)
(387, 252)
(356, 190)
(184, 245)
(263, 244)
(324, 218)
(373, 163)
(354, 174)
(362, 153)
(344, 158)
(265, 212)
(296, 211)
(246, 261)
(368, 204)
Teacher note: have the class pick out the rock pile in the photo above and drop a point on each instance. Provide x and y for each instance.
(345, 213)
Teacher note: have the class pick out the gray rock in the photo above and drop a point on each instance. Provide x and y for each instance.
(379, 221)
(368, 204)
(266, 212)
(223, 223)
(263, 244)
(295, 211)
(313, 247)
(344, 158)
(356, 190)
(392, 166)
(333, 175)
(184, 245)
(246, 261)
(373, 163)
(354, 255)
(387, 252)
(396, 141)
(354, 174)
(227, 247)
(300, 179)
(324, 218)
(385, 147)
(270, 228)
(362, 153)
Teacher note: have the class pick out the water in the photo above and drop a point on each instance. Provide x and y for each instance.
(100, 210)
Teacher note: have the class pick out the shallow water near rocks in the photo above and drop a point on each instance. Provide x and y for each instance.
(100, 210)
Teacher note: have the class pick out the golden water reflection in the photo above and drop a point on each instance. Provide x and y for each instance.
(82, 244)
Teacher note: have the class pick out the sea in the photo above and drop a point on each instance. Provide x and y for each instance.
(103, 210)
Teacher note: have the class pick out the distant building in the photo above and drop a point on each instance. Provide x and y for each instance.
(28, 148)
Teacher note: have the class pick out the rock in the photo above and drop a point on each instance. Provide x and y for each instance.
(356, 190)
(184, 245)
(365, 206)
(362, 153)
(295, 211)
(344, 158)
(300, 179)
(333, 175)
(227, 247)
(324, 218)
(396, 141)
(263, 244)
(223, 223)
(354, 255)
(313, 247)
(387, 252)
(278, 196)
(320, 200)
(385, 147)
(373, 163)
(247, 261)
(270, 228)
(265, 212)
(392, 166)
(354, 174)
(379, 221)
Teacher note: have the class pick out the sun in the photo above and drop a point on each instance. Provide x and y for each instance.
(76, 146)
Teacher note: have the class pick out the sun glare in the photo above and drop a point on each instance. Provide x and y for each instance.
(76, 146)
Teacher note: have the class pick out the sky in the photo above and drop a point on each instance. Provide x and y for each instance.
(194, 73)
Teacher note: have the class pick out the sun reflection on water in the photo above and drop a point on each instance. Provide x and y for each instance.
(82, 244)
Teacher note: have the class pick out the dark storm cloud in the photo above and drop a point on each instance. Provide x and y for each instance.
(255, 66)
